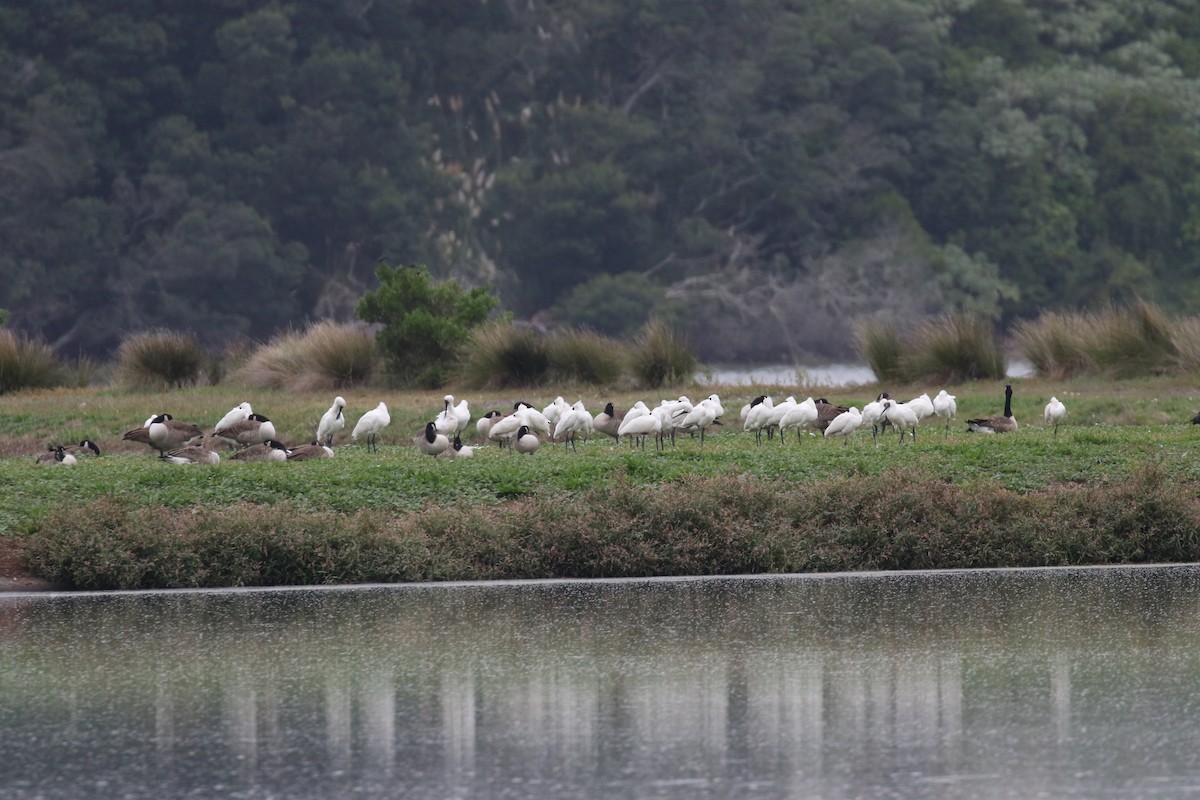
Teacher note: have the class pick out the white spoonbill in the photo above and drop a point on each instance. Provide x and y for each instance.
(370, 424)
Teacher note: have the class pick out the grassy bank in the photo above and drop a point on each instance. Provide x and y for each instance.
(1117, 485)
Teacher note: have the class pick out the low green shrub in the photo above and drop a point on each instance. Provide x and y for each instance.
(160, 358)
(27, 363)
(731, 524)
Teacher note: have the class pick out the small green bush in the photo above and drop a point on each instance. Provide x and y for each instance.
(424, 322)
(27, 364)
(158, 358)
(586, 357)
(661, 357)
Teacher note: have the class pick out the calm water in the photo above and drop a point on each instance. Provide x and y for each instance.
(833, 375)
(1014, 684)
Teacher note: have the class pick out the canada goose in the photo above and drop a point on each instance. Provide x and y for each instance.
(1055, 413)
(429, 441)
(165, 432)
(235, 415)
(460, 450)
(55, 456)
(193, 454)
(844, 425)
(484, 423)
(609, 420)
(270, 450)
(526, 441)
(310, 452)
(254, 429)
(800, 416)
(826, 412)
(85, 448)
(370, 424)
(332, 421)
(945, 405)
(901, 418)
(452, 419)
(1000, 423)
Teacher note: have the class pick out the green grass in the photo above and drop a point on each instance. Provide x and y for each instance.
(1116, 434)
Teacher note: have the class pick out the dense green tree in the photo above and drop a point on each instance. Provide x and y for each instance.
(1020, 155)
(425, 322)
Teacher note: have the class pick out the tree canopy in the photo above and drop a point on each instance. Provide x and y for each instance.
(779, 169)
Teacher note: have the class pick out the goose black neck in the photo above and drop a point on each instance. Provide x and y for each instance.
(1008, 401)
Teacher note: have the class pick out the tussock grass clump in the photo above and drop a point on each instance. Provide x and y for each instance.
(953, 348)
(730, 524)
(161, 358)
(1055, 344)
(327, 356)
(500, 354)
(882, 347)
(586, 357)
(660, 356)
(1116, 342)
(27, 363)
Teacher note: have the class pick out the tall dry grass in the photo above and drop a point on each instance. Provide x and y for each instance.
(583, 356)
(27, 363)
(500, 354)
(952, 348)
(660, 356)
(1117, 342)
(159, 358)
(326, 356)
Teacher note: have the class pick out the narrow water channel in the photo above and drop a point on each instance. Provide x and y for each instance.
(1039, 683)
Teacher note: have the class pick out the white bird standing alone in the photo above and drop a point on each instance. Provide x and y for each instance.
(1055, 413)
(370, 424)
(332, 421)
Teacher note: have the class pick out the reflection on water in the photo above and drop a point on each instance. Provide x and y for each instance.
(992, 684)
